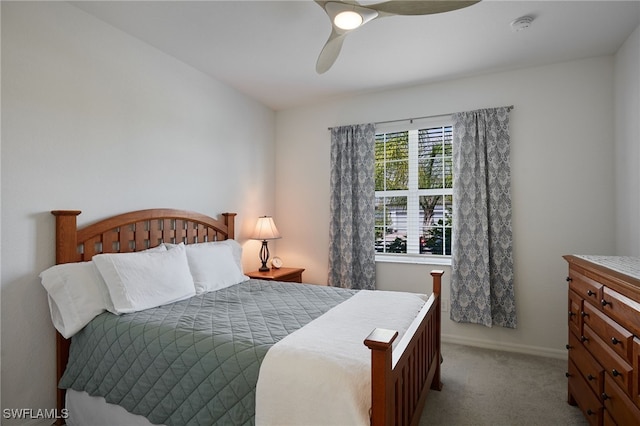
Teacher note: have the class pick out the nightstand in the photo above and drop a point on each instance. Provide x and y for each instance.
(293, 275)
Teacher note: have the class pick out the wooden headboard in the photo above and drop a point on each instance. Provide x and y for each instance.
(128, 232)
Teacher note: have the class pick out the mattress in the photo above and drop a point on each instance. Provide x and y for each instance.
(196, 361)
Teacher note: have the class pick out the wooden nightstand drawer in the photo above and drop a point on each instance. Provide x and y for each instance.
(292, 275)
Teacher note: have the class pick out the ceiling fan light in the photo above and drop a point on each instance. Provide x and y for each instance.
(348, 20)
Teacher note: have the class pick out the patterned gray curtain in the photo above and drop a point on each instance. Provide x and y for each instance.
(482, 262)
(352, 204)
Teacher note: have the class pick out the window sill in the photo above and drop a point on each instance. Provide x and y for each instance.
(414, 259)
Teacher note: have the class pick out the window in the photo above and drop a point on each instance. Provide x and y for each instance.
(414, 190)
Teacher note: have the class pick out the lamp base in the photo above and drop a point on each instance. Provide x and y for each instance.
(264, 256)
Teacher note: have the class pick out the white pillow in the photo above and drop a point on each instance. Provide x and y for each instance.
(143, 280)
(76, 293)
(213, 266)
(236, 250)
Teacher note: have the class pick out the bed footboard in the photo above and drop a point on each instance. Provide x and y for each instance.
(402, 377)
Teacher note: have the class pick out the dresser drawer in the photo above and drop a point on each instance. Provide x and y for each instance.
(575, 309)
(636, 371)
(616, 367)
(585, 287)
(588, 368)
(607, 420)
(584, 397)
(614, 335)
(622, 309)
(618, 404)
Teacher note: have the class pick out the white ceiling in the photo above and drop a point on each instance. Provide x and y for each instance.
(268, 49)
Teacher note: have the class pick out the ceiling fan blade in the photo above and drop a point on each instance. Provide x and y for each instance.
(322, 3)
(330, 52)
(419, 7)
(332, 47)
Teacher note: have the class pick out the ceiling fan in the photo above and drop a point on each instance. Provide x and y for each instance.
(348, 15)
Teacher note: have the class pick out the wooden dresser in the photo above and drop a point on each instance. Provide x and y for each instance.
(604, 343)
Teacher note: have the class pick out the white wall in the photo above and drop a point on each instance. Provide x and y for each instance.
(562, 184)
(627, 138)
(95, 120)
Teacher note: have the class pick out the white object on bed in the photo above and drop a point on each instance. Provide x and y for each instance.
(85, 409)
(76, 293)
(213, 266)
(321, 373)
(143, 280)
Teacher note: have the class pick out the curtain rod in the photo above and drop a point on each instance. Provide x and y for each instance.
(410, 120)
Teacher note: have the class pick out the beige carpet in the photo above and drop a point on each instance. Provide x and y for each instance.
(494, 388)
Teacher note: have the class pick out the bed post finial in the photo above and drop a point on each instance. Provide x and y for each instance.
(229, 220)
(66, 231)
(437, 280)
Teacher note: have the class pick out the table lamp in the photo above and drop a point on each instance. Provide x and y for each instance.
(265, 230)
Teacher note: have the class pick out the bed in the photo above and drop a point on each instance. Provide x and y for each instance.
(400, 368)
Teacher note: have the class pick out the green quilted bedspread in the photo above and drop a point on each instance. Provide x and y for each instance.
(193, 362)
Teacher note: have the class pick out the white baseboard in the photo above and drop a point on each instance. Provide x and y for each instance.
(508, 347)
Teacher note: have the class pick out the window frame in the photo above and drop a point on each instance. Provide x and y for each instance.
(412, 192)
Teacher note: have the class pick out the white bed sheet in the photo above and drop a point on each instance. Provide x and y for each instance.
(320, 375)
(85, 410)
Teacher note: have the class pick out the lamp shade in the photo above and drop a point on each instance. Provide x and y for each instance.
(265, 229)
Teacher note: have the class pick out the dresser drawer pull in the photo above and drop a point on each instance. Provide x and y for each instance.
(568, 346)
(615, 373)
(615, 341)
(590, 293)
(571, 314)
(584, 314)
(567, 374)
(605, 303)
(569, 279)
(604, 396)
(589, 412)
(590, 377)
(583, 339)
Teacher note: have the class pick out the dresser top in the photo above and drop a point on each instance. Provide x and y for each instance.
(626, 265)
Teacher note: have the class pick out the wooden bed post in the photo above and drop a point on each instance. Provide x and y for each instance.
(229, 220)
(66, 252)
(436, 384)
(379, 341)
(66, 240)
